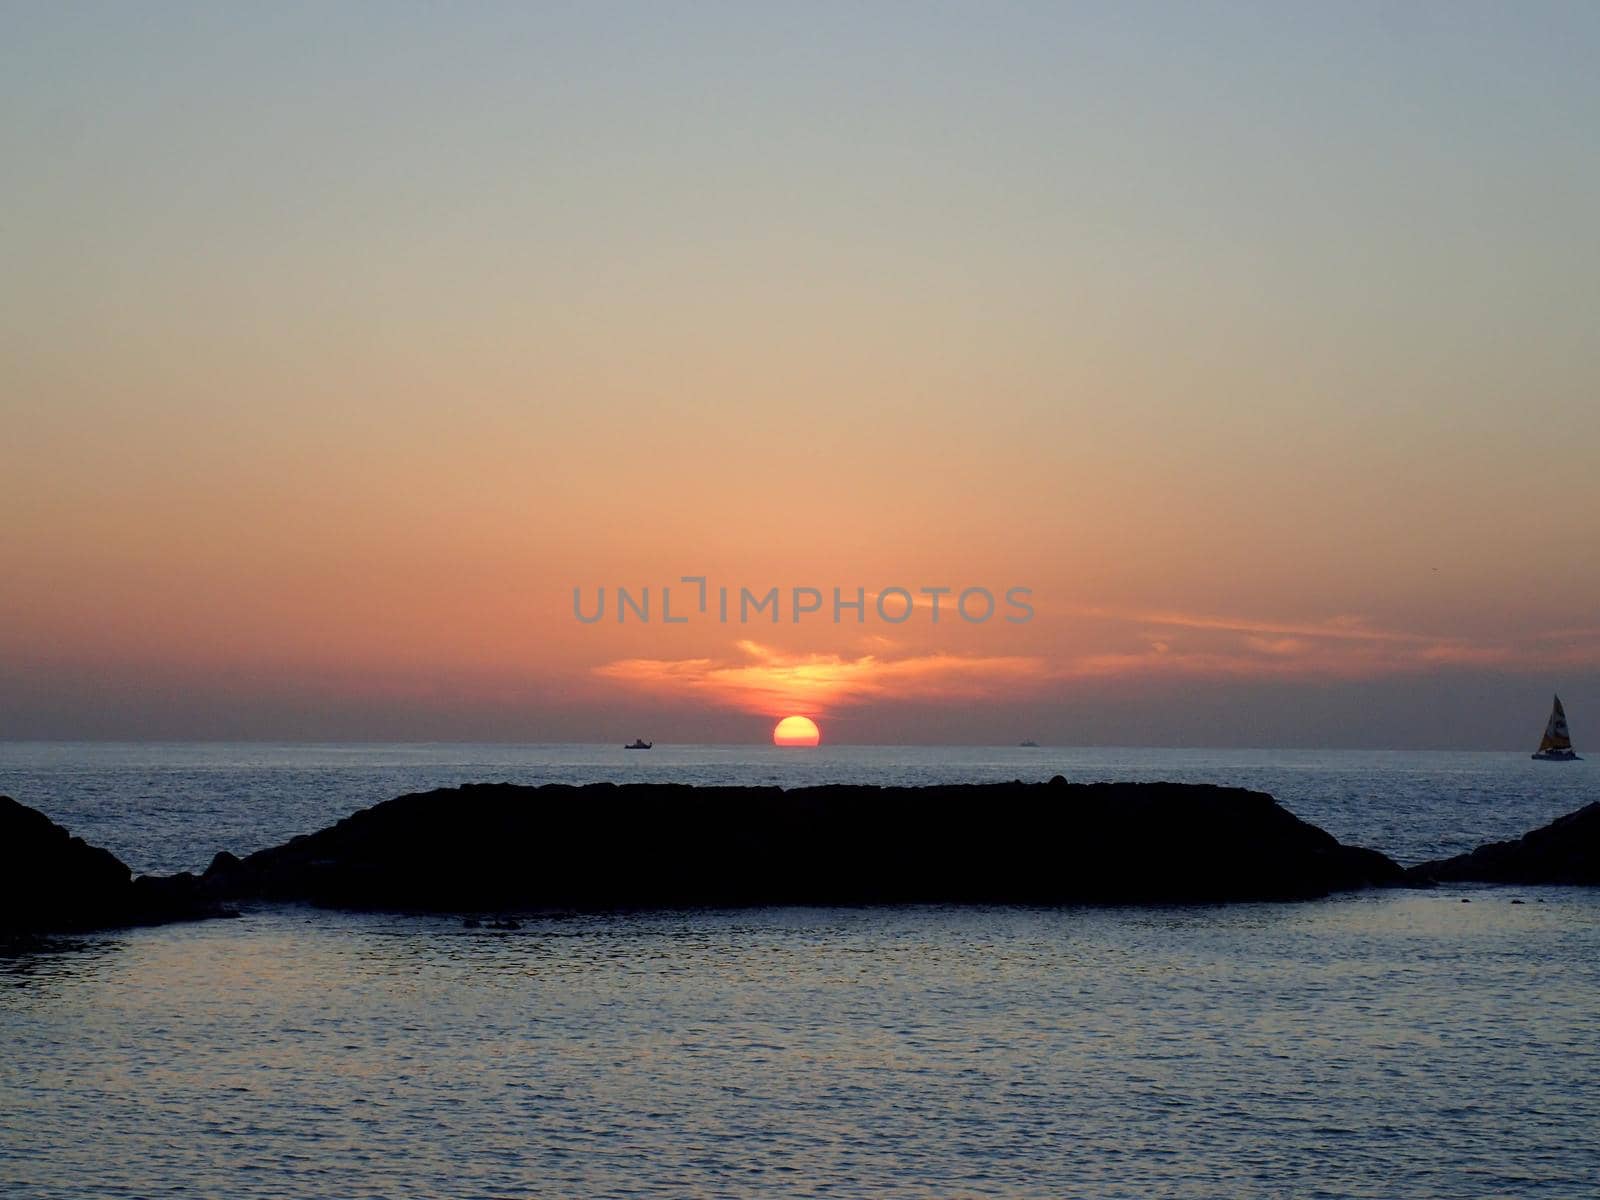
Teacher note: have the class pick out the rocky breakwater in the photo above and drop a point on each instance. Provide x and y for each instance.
(501, 847)
(51, 881)
(1565, 851)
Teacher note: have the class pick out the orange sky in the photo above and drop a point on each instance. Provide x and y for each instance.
(326, 376)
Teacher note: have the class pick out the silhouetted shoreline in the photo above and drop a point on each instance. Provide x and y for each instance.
(498, 846)
(503, 848)
(1566, 851)
(53, 882)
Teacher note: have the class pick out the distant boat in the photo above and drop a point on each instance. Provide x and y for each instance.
(1029, 743)
(1556, 745)
(638, 744)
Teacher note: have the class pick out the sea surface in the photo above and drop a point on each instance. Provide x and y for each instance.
(1399, 1043)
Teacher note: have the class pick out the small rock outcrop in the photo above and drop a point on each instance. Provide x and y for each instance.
(51, 881)
(1565, 851)
(498, 847)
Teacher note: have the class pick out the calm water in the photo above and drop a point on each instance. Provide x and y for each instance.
(1382, 1044)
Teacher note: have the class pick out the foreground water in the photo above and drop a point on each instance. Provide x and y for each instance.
(1381, 1044)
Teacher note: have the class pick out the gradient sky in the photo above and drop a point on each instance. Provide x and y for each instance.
(338, 344)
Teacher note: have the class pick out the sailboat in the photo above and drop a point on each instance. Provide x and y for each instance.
(1556, 745)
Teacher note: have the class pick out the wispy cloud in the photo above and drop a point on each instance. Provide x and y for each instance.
(1344, 647)
(1347, 627)
(764, 680)
(1114, 644)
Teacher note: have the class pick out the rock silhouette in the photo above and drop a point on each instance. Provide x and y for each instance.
(1565, 851)
(51, 881)
(498, 847)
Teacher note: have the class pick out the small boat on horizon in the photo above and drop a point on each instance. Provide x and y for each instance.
(638, 744)
(1556, 745)
(1028, 744)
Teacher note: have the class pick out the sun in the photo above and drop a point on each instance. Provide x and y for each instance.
(796, 731)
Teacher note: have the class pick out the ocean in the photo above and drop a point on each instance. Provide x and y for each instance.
(1377, 1044)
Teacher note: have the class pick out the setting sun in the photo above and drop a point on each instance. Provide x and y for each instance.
(796, 731)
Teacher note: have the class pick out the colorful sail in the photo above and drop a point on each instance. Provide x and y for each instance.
(1556, 736)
